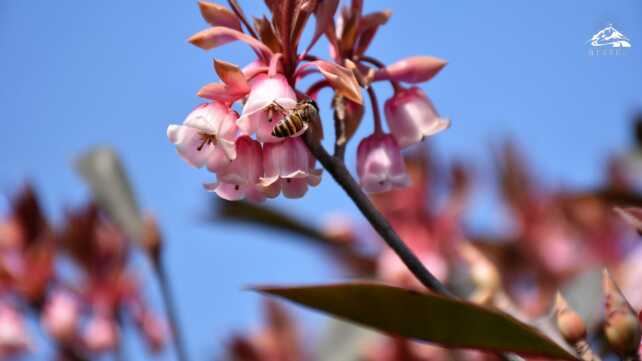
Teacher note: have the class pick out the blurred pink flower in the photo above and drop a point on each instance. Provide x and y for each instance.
(259, 114)
(289, 166)
(60, 315)
(101, 334)
(13, 336)
(240, 178)
(206, 136)
(154, 330)
(411, 117)
(380, 165)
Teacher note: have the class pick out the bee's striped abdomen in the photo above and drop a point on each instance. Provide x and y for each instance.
(290, 125)
(295, 120)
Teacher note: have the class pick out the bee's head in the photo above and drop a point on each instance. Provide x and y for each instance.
(311, 102)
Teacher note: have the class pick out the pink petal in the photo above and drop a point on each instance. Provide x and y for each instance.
(218, 15)
(227, 191)
(294, 187)
(218, 160)
(411, 117)
(254, 68)
(187, 140)
(416, 69)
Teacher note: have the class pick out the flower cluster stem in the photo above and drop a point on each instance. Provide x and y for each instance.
(336, 167)
(170, 308)
(342, 176)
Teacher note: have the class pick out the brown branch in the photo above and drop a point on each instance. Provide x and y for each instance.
(170, 309)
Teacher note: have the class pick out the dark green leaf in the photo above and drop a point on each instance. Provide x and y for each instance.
(423, 316)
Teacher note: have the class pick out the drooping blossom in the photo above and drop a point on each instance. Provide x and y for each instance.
(288, 167)
(260, 114)
(207, 136)
(154, 330)
(411, 116)
(60, 316)
(240, 178)
(13, 336)
(380, 165)
(101, 333)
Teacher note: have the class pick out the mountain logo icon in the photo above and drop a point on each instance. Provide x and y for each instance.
(609, 36)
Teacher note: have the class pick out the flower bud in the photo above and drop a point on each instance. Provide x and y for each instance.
(569, 323)
(621, 327)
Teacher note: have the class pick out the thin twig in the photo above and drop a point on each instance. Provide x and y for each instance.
(170, 307)
(342, 176)
(376, 115)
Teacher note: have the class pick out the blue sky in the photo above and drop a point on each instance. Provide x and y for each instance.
(81, 73)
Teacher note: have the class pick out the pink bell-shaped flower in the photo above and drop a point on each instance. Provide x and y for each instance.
(206, 136)
(289, 167)
(101, 334)
(13, 336)
(154, 330)
(60, 316)
(240, 178)
(380, 165)
(260, 114)
(411, 117)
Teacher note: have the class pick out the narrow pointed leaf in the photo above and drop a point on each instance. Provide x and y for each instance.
(266, 32)
(323, 16)
(231, 75)
(218, 15)
(214, 37)
(112, 191)
(342, 80)
(423, 316)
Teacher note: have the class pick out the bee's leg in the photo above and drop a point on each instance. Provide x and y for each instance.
(279, 108)
(275, 107)
(305, 127)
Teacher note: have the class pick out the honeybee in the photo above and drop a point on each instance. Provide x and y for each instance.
(295, 121)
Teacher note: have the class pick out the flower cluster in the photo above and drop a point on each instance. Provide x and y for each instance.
(81, 315)
(253, 161)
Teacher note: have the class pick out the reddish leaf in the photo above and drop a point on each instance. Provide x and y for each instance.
(266, 32)
(423, 316)
(341, 78)
(415, 69)
(218, 15)
(214, 37)
(323, 14)
(368, 27)
(219, 92)
(231, 75)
